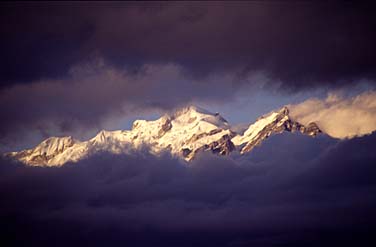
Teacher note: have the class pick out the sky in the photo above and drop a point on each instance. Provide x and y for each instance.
(73, 69)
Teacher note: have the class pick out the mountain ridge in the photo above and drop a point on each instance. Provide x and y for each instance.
(184, 133)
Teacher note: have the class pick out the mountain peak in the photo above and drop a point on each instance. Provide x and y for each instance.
(284, 110)
(194, 114)
(274, 122)
(45, 151)
(191, 110)
(185, 133)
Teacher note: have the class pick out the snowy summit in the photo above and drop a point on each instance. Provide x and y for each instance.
(184, 133)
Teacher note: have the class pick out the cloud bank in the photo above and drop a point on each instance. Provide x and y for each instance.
(97, 95)
(299, 45)
(339, 117)
(321, 194)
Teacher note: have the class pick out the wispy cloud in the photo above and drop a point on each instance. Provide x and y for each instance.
(338, 116)
(96, 95)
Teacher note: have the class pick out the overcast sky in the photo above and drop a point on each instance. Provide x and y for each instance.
(76, 68)
(73, 69)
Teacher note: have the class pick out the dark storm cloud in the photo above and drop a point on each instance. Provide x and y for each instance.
(96, 95)
(191, 52)
(301, 44)
(318, 192)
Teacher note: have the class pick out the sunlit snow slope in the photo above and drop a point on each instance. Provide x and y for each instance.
(184, 134)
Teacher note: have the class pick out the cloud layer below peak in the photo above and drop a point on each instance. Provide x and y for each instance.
(317, 192)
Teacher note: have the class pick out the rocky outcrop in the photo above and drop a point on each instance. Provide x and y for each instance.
(166, 126)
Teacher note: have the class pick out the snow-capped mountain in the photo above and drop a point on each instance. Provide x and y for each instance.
(272, 123)
(185, 133)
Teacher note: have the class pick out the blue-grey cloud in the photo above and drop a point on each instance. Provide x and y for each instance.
(315, 192)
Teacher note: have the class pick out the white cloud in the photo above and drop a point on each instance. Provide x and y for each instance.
(337, 116)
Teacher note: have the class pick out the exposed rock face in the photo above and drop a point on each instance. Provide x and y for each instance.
(312, 129)
(185, 133)
(223, 146)
(166, 126)
(195, 137)
(185, 152)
